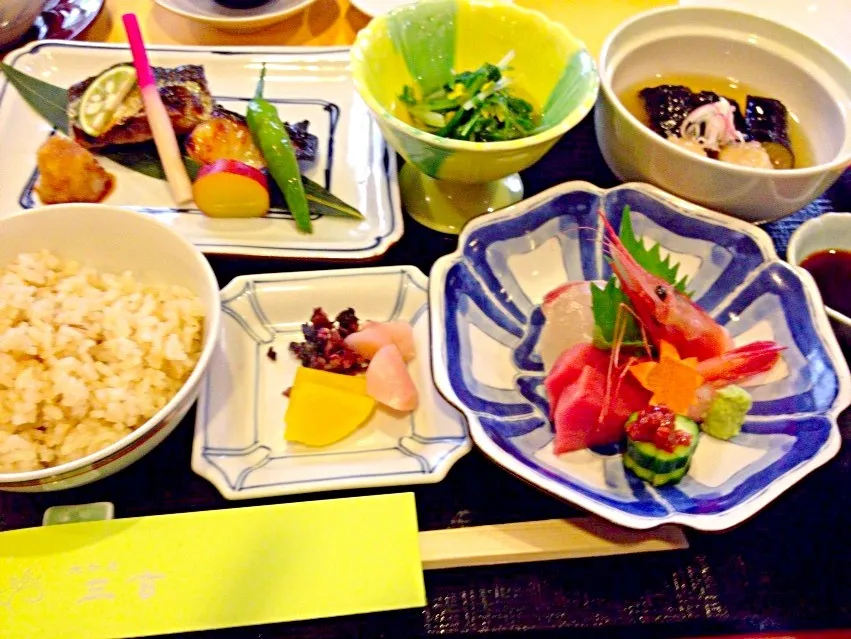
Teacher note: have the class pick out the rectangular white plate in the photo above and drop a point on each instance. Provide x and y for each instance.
(305, 83)
(239, 441)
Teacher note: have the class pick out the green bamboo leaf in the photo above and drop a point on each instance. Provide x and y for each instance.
(324, 202)
(49, 101)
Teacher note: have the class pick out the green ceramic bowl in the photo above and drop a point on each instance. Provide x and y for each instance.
(422, 44)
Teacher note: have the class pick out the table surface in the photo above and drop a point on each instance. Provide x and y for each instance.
(783, 570)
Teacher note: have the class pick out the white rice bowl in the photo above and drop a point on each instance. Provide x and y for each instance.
(107, 321)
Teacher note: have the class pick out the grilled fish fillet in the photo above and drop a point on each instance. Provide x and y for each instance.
(226, 136)
(184, 93)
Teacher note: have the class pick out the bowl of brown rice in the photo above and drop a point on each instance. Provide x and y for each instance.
(108, 320)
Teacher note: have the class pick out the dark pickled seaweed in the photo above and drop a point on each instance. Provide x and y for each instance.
(667, 106)
(767, 123)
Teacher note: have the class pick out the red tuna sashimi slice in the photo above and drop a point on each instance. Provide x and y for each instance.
(388, 380)
(628, 397)
(586, 396)
(402, 334)
(569, 366)
(576, 414)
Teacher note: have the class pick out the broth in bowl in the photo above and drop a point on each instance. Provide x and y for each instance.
(721, 118)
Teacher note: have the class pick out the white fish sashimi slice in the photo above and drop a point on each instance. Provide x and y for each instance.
(569, 320)
(388, 380)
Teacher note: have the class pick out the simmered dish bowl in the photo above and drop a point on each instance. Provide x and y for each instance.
(792, 94)
(108, 319)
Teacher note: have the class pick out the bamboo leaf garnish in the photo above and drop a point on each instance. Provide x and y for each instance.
(326, 203)
(49, 101)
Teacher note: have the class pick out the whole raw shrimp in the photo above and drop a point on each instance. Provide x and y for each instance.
(667, 314)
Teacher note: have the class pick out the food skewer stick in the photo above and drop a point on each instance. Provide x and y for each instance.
(164, 137)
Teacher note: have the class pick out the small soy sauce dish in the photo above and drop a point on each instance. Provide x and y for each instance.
(822, 247)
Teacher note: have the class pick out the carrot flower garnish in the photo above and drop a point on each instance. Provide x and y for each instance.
(673, 381)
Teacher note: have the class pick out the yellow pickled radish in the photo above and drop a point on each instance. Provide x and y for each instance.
(103, 96)
(319, 415)
(350, 383)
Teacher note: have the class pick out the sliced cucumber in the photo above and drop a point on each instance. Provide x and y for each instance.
(658, 466)
(657, 479)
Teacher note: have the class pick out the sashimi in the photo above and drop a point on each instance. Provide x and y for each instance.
(576, 414)
(388, 380)
(580, 419)
(589, 400)
(569, 320)
(569, 366)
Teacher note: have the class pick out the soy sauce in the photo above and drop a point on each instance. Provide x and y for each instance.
(832, 272)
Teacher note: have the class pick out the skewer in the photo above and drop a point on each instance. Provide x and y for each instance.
(164, 137)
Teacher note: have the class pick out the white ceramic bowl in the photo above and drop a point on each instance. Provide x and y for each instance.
(114, 240)
(813, 83)
(16, 16)
(829, 231)
(212, 14)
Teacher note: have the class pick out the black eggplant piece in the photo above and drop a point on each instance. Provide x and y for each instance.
(666, 106)
(306, 144)
(669, 104)
(767, 123)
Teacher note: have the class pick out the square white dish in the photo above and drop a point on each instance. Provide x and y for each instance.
(305, 83)
(239, 441)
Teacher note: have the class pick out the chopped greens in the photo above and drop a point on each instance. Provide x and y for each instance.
(612, 322)
(474, 105)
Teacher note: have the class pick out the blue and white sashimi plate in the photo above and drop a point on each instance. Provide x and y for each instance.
(239, 442)
(486, 320)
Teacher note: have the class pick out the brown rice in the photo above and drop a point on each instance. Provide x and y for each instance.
(85, 357)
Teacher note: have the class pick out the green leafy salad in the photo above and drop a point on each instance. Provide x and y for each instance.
(476, 106)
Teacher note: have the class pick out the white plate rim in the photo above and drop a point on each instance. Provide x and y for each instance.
(247, 22)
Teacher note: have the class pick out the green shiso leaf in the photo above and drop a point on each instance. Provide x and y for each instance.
(606, 305)
(650, 258)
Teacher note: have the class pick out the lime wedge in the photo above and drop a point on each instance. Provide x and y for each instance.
(103, 97)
